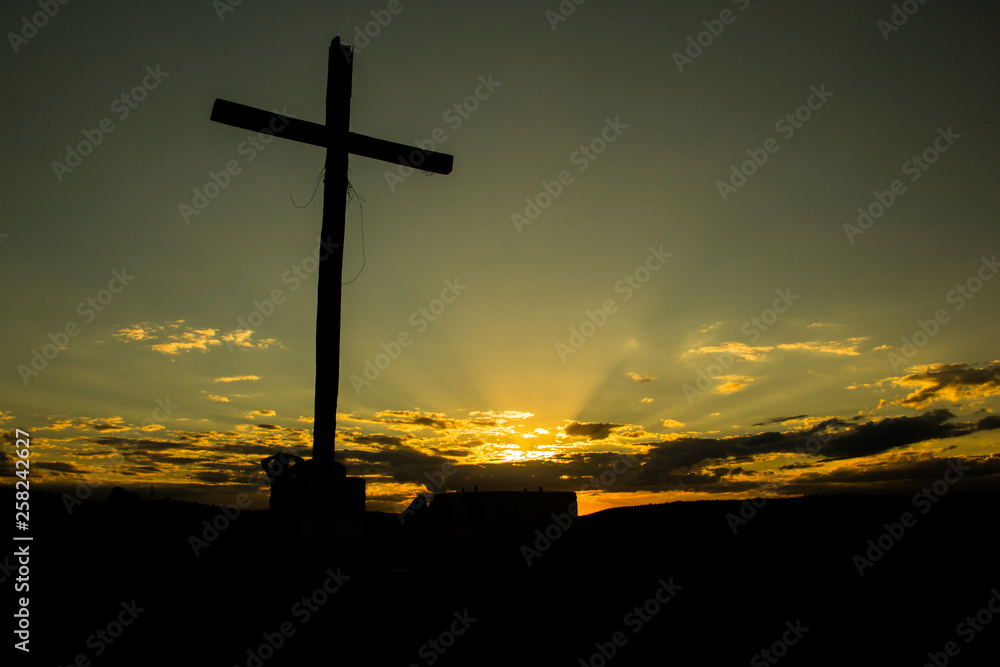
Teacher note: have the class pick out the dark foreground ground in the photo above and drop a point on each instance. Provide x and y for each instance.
(655, 585)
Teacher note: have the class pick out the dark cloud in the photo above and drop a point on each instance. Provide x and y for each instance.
(665, 463)
(565, 472)
(798, 466)
(591, 430)
(176, 460)
(920, 468)
(135, 446)
(103, 426)
(147, 454)
(571, 475)
(401, 463)
(430, 421)
(454, 452)
(6, 465)
(779, 420)
(213, 477)
(904, 475)
(685, 453)
(735, 472)
(877, 437)
(988, 423)
(378, 439)
(250, 449)
(240, 468)
(141, 444)
(952, 380)
(58, 466)
(96, 425)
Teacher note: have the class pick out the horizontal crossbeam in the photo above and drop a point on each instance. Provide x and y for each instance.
(258, 120)
(401, 154)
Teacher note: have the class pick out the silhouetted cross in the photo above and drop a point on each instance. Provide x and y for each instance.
(340, 142)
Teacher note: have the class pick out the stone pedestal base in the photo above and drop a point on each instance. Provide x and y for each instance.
(319, 509)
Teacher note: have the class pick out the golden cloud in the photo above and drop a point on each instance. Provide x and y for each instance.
(136, 332)
(181, 338)
(738, 350)
(199, 339)
(733, 383)
(848, 347)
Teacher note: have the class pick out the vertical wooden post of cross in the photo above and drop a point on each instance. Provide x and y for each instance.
(338, 123)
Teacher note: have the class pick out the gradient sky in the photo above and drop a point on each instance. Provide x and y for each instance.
(167, 385)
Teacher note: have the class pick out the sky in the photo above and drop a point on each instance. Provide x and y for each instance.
(688, 250)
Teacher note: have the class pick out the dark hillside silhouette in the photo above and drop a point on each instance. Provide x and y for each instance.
(400, 587)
